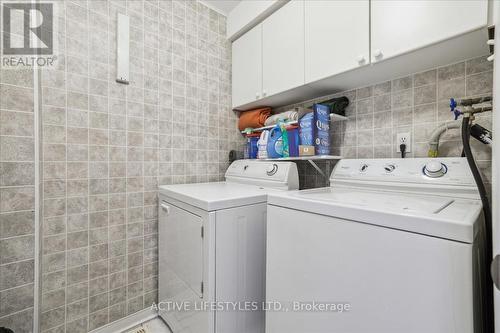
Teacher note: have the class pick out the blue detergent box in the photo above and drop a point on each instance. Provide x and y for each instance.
(315, 129)
(306, 130)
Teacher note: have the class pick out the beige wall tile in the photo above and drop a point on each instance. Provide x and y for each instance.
(21, 322)
(452, 71)
(16, 149)
(479, 83)
(16, 249)
(16, 274)
(16, 199)
(16, 98)
(52, 318)
(16, 224)
(16, 299)
(53, 299)
(17, 77)
(16, 123)
(17, 173)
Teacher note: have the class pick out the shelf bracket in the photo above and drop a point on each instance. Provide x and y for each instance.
(315, 166)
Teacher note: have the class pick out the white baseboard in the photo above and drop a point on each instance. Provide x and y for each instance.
(128, 322)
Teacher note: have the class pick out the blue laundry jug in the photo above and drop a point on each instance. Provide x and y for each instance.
(275, 143)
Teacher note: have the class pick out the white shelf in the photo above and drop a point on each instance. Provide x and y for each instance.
(333, 117)
(304, 158)
(260, 129)
(337, 117)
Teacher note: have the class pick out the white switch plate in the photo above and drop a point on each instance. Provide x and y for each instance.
(403, 138)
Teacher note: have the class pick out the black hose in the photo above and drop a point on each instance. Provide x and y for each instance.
(487, 296)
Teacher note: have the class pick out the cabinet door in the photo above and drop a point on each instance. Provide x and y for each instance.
(247, 67)
(398, 27)
(283, 49)
(336, 37)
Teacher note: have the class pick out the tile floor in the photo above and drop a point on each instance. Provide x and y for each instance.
(155, 325)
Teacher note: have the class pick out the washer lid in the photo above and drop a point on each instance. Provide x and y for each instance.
(436, 216)
(215, 196)
(383, 202)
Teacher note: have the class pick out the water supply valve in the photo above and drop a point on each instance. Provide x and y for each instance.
(453, 108)
(470, 106)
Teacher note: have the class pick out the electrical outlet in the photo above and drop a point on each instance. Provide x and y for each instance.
(403, 138)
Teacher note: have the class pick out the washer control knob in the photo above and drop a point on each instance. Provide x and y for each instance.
(435, 169)
(272, 169)
(363, 167)
(389, 168)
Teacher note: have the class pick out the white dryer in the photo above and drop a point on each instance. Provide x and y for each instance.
(212, 248)
(392, 246)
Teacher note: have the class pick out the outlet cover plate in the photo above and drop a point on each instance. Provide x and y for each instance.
(403, 137)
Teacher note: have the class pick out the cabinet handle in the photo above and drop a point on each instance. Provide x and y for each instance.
(165, 207)
(360, 59)
(264, 93)
(377, 54)
(257, 95)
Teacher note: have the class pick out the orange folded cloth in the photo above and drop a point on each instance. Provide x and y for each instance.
(253, 118)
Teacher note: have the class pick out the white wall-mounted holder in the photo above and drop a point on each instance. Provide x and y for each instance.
(123, 49)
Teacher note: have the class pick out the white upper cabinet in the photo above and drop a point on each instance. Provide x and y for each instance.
(336, 37)
(247, 14)
(247, 67)
(398, 27)
(283, 49)
(303, 46)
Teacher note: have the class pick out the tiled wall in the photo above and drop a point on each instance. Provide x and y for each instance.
(17, 200)
(107, 146)
(417, 104)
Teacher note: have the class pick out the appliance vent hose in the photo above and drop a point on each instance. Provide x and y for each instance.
(487, 284)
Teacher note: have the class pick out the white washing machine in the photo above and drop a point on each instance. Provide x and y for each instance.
(212, 248)
(392, 246)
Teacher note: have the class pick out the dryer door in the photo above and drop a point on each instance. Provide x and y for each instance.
(183, 243)
(182, 258)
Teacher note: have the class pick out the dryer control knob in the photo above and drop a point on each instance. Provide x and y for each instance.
(435, 169)
(389, 168)
(272, 169)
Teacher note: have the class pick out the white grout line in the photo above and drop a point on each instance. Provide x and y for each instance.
(19, 312)
(21, 286)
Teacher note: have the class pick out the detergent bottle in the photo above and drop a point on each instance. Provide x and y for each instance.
(262, 145)
(275, 143)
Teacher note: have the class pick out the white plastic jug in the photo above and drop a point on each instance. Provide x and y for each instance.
(262, 144)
